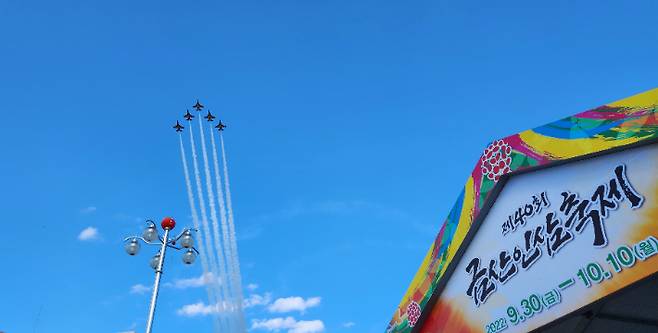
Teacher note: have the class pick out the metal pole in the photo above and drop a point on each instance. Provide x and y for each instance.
(156, 285)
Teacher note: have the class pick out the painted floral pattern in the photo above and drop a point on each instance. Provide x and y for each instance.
(413, 313)
(496, 160)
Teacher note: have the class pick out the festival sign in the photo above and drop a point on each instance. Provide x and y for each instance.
(550, 220)
(554, 241)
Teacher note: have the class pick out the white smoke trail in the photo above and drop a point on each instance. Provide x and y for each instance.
(206, 229)
(213, 215)
(222, 214)
(195, 220)
(237, 284)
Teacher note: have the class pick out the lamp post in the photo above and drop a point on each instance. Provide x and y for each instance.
(151, 236)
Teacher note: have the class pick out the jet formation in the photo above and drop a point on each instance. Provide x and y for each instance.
(188, 116)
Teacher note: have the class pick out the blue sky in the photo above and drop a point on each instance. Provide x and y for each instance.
(353, 125)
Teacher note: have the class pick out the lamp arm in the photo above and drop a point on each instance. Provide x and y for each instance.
(143, 240)
(175, 239)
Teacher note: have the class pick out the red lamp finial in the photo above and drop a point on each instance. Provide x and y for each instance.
(168, 223)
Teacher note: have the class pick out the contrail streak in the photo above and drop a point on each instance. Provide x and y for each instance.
(237, 284)
(213, 215)
(204, 220)
(222, 211)
(195, 220)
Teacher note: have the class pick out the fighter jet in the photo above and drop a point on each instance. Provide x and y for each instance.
(198, 106)
(220, 126)
(178, 127)
(188, 116)
(210, 117)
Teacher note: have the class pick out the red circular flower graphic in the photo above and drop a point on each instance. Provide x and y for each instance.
(496, 160)
(413, 313)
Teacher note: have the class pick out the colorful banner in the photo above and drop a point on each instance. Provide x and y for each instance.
(617, 124)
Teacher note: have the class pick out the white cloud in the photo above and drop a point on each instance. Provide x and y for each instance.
(255, 299)
(274, 324)
(294, 303)
(252, 286)
(88, 210)
(197, 282)
(197, 309)
(89, 233)
(139, 289)
(202, 309)
(348, 324)
(280, 305)
(288, 323)
(308, 326)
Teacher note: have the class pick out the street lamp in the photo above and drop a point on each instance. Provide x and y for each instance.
(150, 236)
